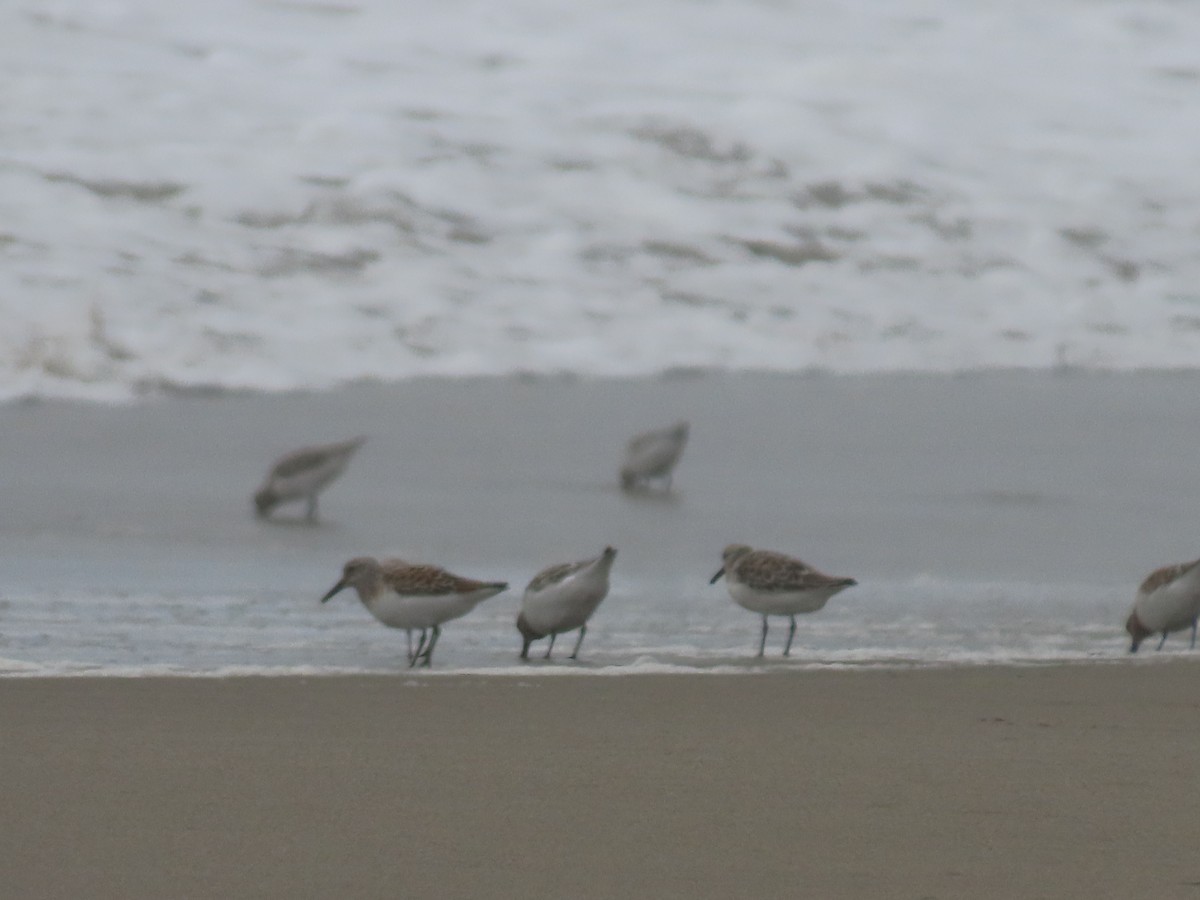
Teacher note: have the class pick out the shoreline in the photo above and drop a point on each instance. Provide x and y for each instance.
(749, 668)
(170, 393)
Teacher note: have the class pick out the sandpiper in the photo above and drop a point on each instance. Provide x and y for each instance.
(772, 584)
(413, 597)
(1168, 600)
(653, 455)
(302, 474)
(562, 598)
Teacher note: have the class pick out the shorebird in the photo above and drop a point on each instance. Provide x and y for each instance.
(1168, 600)
(653, 455)
(413, 597)
(562, 598)
(772, 584)
(304, 473)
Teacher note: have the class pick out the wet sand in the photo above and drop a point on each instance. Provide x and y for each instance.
(1056, 782)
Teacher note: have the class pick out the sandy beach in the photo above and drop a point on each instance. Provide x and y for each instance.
(1055, 782)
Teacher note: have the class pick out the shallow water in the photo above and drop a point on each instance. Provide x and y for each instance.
(992, 518)
(641, 627)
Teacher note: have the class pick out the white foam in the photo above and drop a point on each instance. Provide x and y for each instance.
(297, 195)
(923, 622)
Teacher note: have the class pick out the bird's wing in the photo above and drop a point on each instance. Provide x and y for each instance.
(555, 574)
(426, 579)
(308, 458)
(640, 442)
(1164, 576)
(765, 570)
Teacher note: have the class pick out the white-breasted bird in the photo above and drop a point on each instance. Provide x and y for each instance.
(772, 584)
(1168, 600)
(413, 597)
(303, 474)
(653, 455)
(562, 598)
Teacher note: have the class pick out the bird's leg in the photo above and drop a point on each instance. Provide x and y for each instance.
(420, 648)
(311, 515)
(525, 642)
(1163, 641)
(437, 632)
(1194, 621)
(762, 645)
(408, 638)
(579, 643)
(550, 649)
(791, 634)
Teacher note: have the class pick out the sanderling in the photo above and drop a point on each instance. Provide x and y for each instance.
(413, 597)
(772, 584)
(304, 473)
(653, 455)
(1168, 600)
(562, 598)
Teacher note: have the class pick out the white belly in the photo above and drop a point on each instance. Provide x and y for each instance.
(780, 603)
(563, 607)
(655, 460)
(310, 480)
(1169, 608)
(424, 611)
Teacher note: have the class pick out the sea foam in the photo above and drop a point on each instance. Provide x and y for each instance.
(272, 196)
(652, 630)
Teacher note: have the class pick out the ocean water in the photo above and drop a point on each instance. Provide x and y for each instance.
(268, 195)
(209, 206)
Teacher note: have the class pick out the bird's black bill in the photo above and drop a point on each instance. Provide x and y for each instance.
(720, 572)
(333, 590)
